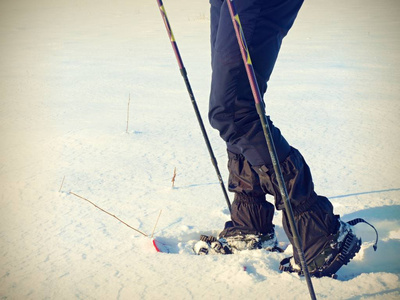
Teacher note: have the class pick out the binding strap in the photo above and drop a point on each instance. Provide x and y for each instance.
(359, 220)
(285, 265)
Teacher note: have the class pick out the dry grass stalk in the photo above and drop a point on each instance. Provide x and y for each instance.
(155, 225)
(108, 213)
(62, 183)
(173, 178)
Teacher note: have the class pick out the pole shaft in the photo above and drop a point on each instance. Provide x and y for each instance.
(192, 98)
(267, 133)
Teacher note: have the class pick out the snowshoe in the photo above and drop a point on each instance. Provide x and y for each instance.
(343, 247)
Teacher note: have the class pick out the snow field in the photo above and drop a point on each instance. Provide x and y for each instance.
(67, 70)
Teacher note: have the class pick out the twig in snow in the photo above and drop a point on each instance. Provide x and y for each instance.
(173, 178)
(109, 213)
(62, 183)
(155, 225)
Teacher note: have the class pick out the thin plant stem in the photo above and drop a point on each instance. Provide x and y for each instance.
(155, 225)
(62, 183)
(109, 213)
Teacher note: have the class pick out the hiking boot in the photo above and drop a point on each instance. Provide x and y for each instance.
(343, 247)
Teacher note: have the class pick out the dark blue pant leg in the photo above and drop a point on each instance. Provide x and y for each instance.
(232, 108)
(233, 113)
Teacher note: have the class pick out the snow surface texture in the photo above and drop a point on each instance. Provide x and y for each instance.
(67, 70)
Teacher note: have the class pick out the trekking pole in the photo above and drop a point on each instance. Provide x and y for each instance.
(189, 89)
(267, 133)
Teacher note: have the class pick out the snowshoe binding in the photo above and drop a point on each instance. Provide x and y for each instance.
(211, 245)
(234, 243)
(342, 248)
(242, 242)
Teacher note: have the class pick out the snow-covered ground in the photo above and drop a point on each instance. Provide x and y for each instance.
(67, 70)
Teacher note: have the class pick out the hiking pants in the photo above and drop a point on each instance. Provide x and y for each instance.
(232, 112)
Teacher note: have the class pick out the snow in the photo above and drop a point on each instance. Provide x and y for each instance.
(67, 71)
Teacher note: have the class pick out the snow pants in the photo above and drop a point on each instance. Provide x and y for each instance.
(232, 112)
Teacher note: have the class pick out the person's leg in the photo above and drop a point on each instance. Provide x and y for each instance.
(328, 243)
(233, 113)
(250, 210)
(232, 109)
(313, 214)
